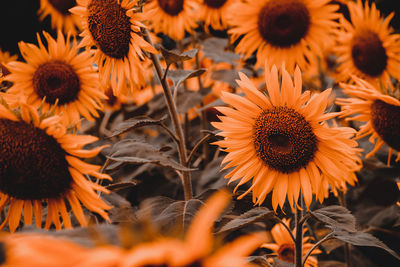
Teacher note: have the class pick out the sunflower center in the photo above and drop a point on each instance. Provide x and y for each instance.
(283, 139)
(368, 53)
(63, 6)
(286, 252)
(214, 3)
(386, 122)
(56, 80)
(171, 7)
(32, 163)
(110, 27)
(283, 23)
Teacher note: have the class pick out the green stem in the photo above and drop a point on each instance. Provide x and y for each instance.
(173, 112)
(298, 254)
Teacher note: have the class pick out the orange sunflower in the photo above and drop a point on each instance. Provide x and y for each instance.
(113, 27)
(381, 112)
(197, 247)
(39, 165)
(58, 74)
(171, 17)
(367, 47)
(290, 31)
(61, 18)
(282, 142)
(215, 13)
(195, 250)
(285, 247)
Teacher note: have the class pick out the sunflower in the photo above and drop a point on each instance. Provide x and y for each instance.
(290, 31)
(283, 142)
(381, 112)
(171, 17)
(113, 27)
(61, 18)
(59, 75)
(196, 248)
(367, 47)
(215, 13)
(39, 164)
(285, 247)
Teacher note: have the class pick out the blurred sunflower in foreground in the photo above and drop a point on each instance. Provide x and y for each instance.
(113, 27)
(60, 17)
(367, 47)
(283, 143)
(285, 247)
(381, 112)
(5, 57)
(39, 165)
(194, 251)
(290, 31)
(172, 18)
(57, 77)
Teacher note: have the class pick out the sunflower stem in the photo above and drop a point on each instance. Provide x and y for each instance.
(347, 255)
(298, 254)
(173, 112)
(316, 245)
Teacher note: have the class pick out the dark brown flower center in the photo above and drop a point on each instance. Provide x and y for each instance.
(171, 7)
(283, 23)
(63, 6)
(283, 139)
(368, 53)
(286, 252)
(385, 120)
(56, 79)
(214, 3)
(32, 163)
(110, 27)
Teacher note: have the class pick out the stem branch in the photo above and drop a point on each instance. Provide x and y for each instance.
(173, 112)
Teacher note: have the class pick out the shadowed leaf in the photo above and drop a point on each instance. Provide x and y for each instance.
(175, 57)
(135, 152)
(335, 217)
(134, 123)
(362, 239)
(249, 217)
(178, 76)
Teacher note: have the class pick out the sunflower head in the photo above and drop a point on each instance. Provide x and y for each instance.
(284, 245)
(57, 77)
(367, 46)
(282, 141)
(379, 111)
(113, 27)
(40, 164)
(290, 31)
(61, 18)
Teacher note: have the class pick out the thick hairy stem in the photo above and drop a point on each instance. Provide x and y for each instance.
(298, 254)
(173, 112)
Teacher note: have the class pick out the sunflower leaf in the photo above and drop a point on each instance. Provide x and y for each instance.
(178, 76)
(188, 100)
(335, 217)
(134, 123)
(249, 217)
(175, 57)
(168, 213)
(364, 239)
(138, 152)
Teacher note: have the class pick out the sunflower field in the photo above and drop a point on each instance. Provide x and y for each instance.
(199, 133)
